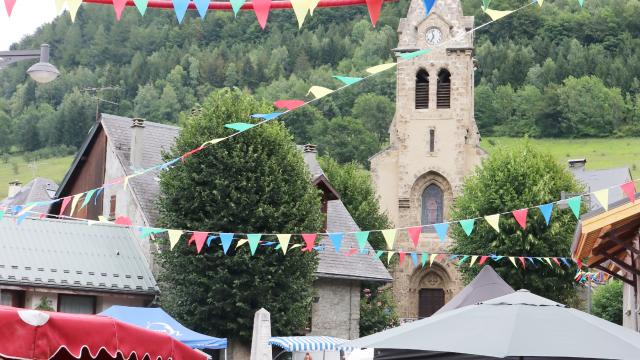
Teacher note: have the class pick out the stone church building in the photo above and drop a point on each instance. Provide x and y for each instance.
(434, 144)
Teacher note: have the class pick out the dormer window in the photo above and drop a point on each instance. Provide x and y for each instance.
(422, 89)
(444, 89)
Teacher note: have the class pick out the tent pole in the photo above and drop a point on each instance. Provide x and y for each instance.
(225, 353)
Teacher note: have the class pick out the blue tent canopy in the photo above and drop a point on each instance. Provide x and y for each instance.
(158, 320)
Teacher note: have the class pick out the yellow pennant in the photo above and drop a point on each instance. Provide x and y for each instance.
(603, 198)
(513, 261)
(540, 2)
(432, 258)
(389, 256)
(126, 181)
(389, 237)
(379, 68)
(174, 237)
(497, 14)
(73, 6)
(548, 261)
(295, 246)
(311, 5)
(473, 260)
(283, 239)
(60, 5)
(74, 202)
(212, 142)
(103, 219)
(300, 8)
(92, 222)
(494, 221)
(319, 91)
(241, 242)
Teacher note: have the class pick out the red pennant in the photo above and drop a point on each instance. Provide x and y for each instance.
(123, 220)
(629, 189)
(579, 263)
(288, 104)
(199, 237)
(374, 7)
(401, 254)
(118, 6)
(351, 252)
(521, 217)
(555, 260)
(42, 215)
(310, 240)
(65, 203)
(414, 234)
(440, 257)
(9, 5)
(482, 260)
(261, 8)
(524, 265)
(191, 152)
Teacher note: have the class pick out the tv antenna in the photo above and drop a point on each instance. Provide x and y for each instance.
(96, 95)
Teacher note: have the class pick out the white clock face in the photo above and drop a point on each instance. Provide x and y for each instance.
(434, 36)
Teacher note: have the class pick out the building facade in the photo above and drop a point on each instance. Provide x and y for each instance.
(434, 145)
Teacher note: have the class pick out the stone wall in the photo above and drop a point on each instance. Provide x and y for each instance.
(336, 308)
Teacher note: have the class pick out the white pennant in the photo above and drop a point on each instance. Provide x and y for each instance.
(603, 198)
(174, 237)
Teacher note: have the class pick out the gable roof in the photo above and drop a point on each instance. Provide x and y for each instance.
(159, 138)
(34, 191)
(71, 255)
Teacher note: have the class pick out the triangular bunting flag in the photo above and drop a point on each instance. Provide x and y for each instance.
(362, 237)
(199, 237)
(348, 80)
(521, 217)
(141, 5)
(174, 237)
(401, 254)
(581, 2)
(239, 127)
(241, 242)
(555, 260)
(497, 14)
(65, 203)
(378, 254)
(202, 6)
(210, 142)
(350, 252)
(374, 7)
(336, 240)
(226, 239)
(414, 54)
(87, 198)
(319, 91)
(428, 5)
(574, 204)
(473, 260)
(288, 104)
(310, 240)
(254, 240)
(424, 258)
(74, 203)
(380, 68)
(441, 230)
(482, 260)
(210, 238)
(236, 5)
(546, 211)
(261, 8)
(312, 5)
(414, 234)
(60, 5)
(389, 256)
(8, 4)
(118, 6)
(267, 117)
(432, 258)
(414, 259)
(513, 261)
(300, 9)
(540, 2)
(467, 225)
(389, 237)
(147, 231)
(464, 258)
(283, 239)
(521, 258)
(630, 190)
(2, 214)
(494, 221)
(548, 261)
(485, 4)
(603, 198)
(73, 6)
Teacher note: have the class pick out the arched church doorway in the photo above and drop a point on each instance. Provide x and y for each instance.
(429, 301)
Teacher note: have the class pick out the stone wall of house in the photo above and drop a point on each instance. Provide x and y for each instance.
(402, 172)
(336, 308)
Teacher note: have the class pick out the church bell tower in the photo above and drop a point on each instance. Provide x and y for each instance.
(434, 144)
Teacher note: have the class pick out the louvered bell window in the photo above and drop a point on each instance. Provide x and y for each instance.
(422, 89)
(444, 89)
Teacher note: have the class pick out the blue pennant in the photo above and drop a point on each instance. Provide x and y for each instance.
(202, 6)
(428, 5)
(336, 240)
(441, 229)
(180, 6)
(226, 239)
(546, 211)
(414, 259)
(267, 117)
(210, 238)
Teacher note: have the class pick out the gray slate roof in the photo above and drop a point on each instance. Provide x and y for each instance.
(34, 191)
(159, 138)
(72, 255)
(594, 180)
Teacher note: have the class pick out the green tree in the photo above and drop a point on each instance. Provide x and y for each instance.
(377, 311)
(607, 301)
(375, 112)
(346, 139)
(515, 178)
(254, 183)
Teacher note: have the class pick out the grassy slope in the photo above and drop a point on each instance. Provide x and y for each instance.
(53, 169)
(600, 153)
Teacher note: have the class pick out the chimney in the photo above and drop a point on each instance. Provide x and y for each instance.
(14, 188)
(137, 143)
(575, 164)
(309, 148)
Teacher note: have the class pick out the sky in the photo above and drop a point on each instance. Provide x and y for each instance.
(27, 16)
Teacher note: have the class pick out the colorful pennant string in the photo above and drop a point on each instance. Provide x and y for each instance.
(347, 80)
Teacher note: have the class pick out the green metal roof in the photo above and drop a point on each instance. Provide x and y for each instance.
(73, 255)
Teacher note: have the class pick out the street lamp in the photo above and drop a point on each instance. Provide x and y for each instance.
(42, 72)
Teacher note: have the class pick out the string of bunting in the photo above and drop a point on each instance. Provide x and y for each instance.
(254, 241)
(591, 278)
(318, 92)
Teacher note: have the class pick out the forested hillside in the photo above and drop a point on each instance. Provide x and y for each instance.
(555, 71)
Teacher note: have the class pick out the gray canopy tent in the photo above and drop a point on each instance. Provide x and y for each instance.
(520, 326)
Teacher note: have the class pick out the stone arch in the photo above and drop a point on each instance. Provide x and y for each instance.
(421, 184)
(434, 279)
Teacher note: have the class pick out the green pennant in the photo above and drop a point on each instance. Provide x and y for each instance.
(236, 5)
(581, 2)
(424, 259)
(348, 80)
(414, 54)
(378, 254)
(485, 3)
(574, 204)
(464, 258)
(467, 225)
(87, 198)
(146, 232)
(362, 237)
(2, 214)
(141, 5)
(254, 240)
(239, 127)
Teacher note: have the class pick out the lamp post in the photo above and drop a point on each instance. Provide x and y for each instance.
(42, 72)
